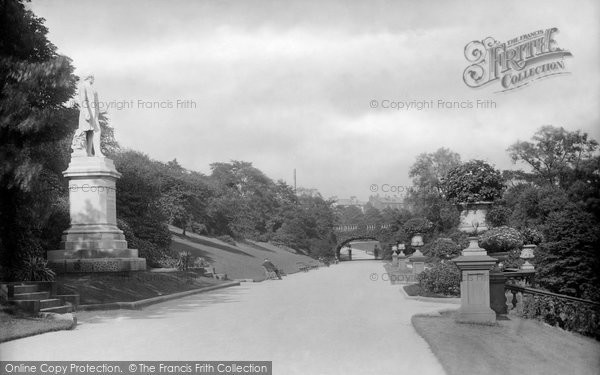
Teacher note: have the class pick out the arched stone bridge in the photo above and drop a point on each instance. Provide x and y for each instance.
(348, 233)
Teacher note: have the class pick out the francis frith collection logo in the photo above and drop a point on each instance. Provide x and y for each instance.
(514, 63)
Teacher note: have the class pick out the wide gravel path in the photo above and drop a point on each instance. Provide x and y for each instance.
(333, 320)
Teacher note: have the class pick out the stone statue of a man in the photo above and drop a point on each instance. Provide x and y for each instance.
(86, 141)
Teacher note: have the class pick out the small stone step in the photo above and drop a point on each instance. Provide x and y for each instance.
(29, 305)
(32, 295)
(19, 289)
(52, 302)
(58, 309)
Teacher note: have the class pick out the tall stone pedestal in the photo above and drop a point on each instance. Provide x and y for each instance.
(93, 242)
(475, 266)
(418, 261)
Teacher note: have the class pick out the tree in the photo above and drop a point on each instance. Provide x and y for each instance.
(184, 196)
(35, 124)
(350, 215)
(555, 155)
(372, 216)
(430, 169)
(251, 198)
(138, 198)
(568, 261)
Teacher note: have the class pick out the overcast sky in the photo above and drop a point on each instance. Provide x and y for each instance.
(289, 84)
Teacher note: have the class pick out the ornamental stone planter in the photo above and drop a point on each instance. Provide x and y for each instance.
(473, 216)
(527, 252)
(417, 240)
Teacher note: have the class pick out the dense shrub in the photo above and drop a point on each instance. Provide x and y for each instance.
(417, 225)
(498, 216)
(501, 239)
(442, 278)
(531, 205)
(569, 315)
(532, 236)
(146, 249)
(441, 248)
(473, 181)
(34, 269)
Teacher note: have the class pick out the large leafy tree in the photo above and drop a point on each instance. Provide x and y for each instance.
(35, 123)
(183, 196)
(430, 169)
(426, 197)
(250, 198)
(561, 196)
(556, 156)
(138, 198)
(568, 261)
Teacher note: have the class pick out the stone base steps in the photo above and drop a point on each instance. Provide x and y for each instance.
(58, 309)
(29, 298)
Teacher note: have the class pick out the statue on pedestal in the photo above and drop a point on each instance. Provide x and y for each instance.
(86, 141)
(93, 242)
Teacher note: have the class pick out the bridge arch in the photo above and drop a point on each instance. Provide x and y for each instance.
(348, 233)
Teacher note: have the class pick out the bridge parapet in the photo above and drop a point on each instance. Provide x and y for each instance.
(356, 227)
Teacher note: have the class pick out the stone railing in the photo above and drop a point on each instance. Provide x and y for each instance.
(570, 313)
(357, 227)
(519, 277)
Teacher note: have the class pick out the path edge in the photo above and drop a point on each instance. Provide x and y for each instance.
(136, 305)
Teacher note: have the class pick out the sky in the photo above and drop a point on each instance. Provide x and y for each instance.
(309, 85)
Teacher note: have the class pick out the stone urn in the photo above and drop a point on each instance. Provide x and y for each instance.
(417, 240)
(527, 252)
(473, 217)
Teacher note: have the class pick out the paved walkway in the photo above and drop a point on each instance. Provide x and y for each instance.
(332, 320)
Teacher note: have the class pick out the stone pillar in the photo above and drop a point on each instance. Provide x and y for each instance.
(497, 292)
(93, 242)
(394, 259)
(475, 265)
(402, 262)
(418, 261)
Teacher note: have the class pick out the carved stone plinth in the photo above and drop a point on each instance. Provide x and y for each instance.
(93, 242)
(475, 266)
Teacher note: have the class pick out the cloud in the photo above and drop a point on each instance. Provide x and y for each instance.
(288, 85)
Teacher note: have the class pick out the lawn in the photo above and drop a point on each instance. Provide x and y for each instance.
(512, 346)
(14, 325)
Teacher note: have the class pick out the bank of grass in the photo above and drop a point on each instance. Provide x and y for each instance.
(100, 288)
(14, 325)
(512, 346)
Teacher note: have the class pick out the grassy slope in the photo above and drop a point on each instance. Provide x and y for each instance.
(513, 346)
(238, 262)
(127, 287)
